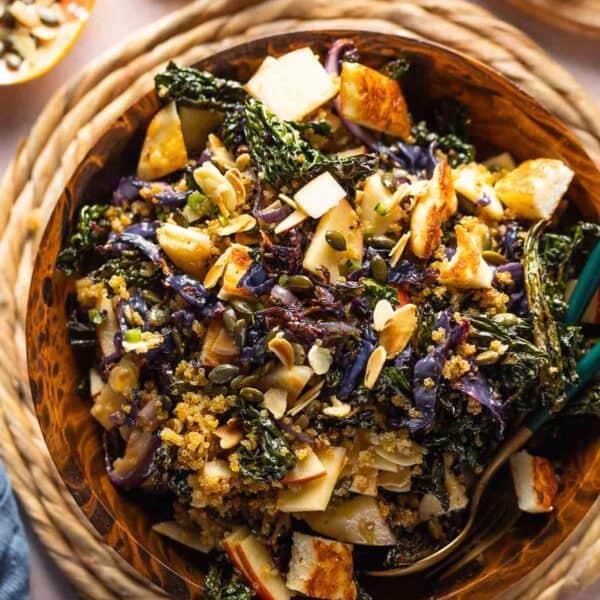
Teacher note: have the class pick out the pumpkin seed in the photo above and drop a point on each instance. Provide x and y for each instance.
(223, 373)
(487, 357)
(494, 258)
(382, 241)
(237, 383)
(336, 240)
(242, 307)
(241, 333)
(299, 283)
(229, 320)
(379, 269)
(13, 61)
(505, 319)
(252, 395)
(150, 296)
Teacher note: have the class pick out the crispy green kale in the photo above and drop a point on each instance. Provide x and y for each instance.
(92, 228)
(587, 403)
(199, 88)
(284, 157)
(396, 68)
(378, 291)
(220, 585)
(268, 456)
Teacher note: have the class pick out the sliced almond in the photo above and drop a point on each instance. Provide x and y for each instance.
(382, 313)
(235, 179)
(398, 330)
(413, 456)
(306, 398)
(291, 221)
(275, 402)
(219, 153)
(365, 482)
(398, 250)
(216, 271)
(382, 464)
(230, 434)
(398, 482)
(374, 366)
(25, 14)
(320, 359)
(43, 33)
(337, 409)
(283, 350)
(237, 225)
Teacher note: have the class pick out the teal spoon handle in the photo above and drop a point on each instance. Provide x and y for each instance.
(587, 368)
(588, 282)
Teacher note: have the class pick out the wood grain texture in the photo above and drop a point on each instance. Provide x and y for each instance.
(579, 16)
(503, 118)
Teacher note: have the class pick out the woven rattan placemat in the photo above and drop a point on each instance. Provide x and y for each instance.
(580, 16)
(70, 125)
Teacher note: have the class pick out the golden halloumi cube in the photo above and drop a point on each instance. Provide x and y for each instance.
(535, 482)
(293, 85)
(237, 265)
(164, 148)
(474, 182)
(467, 269)
(188, 247)
(341, 218)
(534, 189)
(435, 206)
(371, 99)
(378, 208)
(321, 568)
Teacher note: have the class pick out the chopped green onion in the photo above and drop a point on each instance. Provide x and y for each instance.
(197, 200)
(133, 335)
(95, 316)
(381, 210)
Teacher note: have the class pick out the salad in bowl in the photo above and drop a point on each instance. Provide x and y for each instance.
(309, 319)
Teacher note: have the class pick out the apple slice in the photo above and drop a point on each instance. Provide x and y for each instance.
(291, 380)
(403, 459)
(396, 482)
(260, 570)
(307, 469)
(383, 464)
(315, 494)
(230, 544)
(105, 332)
(365, 482)
(96, 383)
(190, 537)
(355, 521)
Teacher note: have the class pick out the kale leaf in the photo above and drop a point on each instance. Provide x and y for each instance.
(378, 291)
(587, 403)
(225, 586)
(395, 69)
(284, 157)
(92, 229)
(199, 88)
(271, 457)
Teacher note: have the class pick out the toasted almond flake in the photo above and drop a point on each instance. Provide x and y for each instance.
(291, 221)
(25, 14)
(275, 402)
(398, 250)
(306, 398)
(365, 482)
(382, 313)
(230, 434)
(398, 330)
(235, 179)
(382, 464)
(237, 225)
(283, 350)
(374, 366)
(412, 456)
(337, 409)
(43, 33)
(216, 271)
(219, 153)
(289, 201)
(398, 482)
(319, 359)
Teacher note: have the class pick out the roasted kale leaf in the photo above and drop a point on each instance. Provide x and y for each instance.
(225, 586)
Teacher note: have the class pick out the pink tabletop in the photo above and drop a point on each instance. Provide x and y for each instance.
(112, 21)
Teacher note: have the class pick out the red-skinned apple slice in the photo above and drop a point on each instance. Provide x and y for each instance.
(260, 570)
(230, 544)
(307, 469)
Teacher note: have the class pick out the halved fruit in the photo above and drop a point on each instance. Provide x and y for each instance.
(314, 495)
(307, 469)
(54, 42)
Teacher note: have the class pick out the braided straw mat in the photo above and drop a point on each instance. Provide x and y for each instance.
(580, 16)
(78, 114)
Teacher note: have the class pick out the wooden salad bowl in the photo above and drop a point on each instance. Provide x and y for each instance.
(503, 118)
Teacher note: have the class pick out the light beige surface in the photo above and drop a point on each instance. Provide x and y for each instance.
(112, 20)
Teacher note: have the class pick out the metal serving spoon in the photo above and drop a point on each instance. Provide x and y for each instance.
(587, 368)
